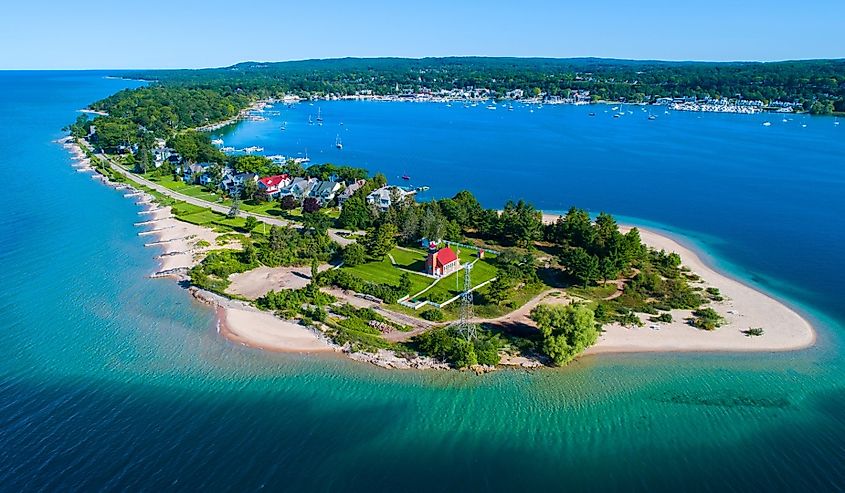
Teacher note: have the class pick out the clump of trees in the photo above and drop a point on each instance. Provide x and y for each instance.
(566, 331)
(446, 344)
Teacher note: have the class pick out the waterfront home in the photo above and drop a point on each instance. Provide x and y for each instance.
(325, 191)
(441, 262)
(162, 154)
(193, 173)
(383, 197)
(271, 185)
(349, 191)
(299, 187)
(233, 184)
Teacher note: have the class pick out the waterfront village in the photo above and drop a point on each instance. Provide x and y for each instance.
(474, 96)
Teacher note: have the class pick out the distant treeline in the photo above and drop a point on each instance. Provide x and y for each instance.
(804, 81)
(181, 99)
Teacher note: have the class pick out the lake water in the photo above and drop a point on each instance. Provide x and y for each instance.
(110, 380)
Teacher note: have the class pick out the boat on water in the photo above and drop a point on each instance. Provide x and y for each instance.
(251, 149)
(510, 107)
(319, 115)
(491, 106)
(591, 114)
(284, 126)
(310, 121)
(767, 124)
(217, 142)
(652, 117)
(338, 143)
(227, 149)
(421, 189)
(406, 177)
(615, 108)
(836, 120)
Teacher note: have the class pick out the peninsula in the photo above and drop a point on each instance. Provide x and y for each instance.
(309, 257)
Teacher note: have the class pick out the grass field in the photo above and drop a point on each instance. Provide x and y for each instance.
(385, 272)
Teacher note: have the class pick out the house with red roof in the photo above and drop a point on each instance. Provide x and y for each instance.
(441, 262)
(272, 185)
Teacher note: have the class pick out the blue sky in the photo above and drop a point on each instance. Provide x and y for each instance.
(160, 34)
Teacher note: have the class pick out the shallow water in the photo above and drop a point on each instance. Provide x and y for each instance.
(110, 380)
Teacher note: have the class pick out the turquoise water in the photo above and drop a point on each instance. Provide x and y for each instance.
(110, 380)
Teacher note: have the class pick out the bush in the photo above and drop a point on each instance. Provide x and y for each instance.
(353, 255)
(663, 317)
(753, 332)
(288, 203)
(706, 319)
(434, 315)
(310, 205)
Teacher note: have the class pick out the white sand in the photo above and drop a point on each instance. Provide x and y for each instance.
(743, 308)
(257, 282)
(265, 331)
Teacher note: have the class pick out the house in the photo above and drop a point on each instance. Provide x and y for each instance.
(194, 172)
(441, 262)
(299, 187)
(233, 184)
(383, 197)
(349, 191)
(272, 185)
(325, 191)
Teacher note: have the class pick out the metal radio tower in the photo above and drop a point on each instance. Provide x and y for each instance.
(465, 327)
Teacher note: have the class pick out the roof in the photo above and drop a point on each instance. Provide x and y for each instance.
(273, 181)
(445, 255)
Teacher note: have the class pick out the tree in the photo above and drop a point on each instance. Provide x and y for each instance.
(355, 214)
(250, 191)
(310, 205)
(235, 209)
(380, 241)
(354, 254)
(288, 202)
(498, 290)
(315, 269)
(521, 224)
(259, 165)
(317, 221)
(566, 330)
(250, 223)
(581, 265)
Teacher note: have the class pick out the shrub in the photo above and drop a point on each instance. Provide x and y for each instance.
(434, 315)
(288, 203)
(753, 332)
(706, 319)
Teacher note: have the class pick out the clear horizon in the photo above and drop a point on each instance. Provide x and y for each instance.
(100, 36)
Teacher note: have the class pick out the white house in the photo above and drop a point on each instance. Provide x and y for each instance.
(383, 197)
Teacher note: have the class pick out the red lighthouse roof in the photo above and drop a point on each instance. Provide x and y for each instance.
(445, 256)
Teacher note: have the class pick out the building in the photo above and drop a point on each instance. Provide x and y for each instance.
(324, 191)
(193, 173)
(233, 184)
(349, 192)
(383, 197)
(272, 185)
(441, 262)
(299, 187)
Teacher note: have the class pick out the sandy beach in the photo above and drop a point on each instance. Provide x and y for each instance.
(744, 307)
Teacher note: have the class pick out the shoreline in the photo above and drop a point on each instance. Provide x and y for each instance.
(744, 307)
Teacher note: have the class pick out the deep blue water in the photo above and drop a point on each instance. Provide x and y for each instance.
(112, 381)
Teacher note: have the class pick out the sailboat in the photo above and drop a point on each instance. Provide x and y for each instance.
(836, 120)
(338, 143)
(319, 115)
(310, 121)
(406, 177)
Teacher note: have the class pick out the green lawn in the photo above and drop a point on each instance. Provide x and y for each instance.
(384, 272)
